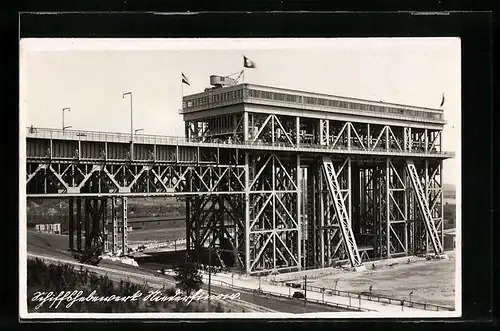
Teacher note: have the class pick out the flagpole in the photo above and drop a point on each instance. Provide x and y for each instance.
(182, 92)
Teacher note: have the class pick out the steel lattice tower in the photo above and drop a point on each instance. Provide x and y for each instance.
(274, 180)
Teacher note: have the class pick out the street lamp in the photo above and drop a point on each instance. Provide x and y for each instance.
(131, 118)
(137, 130)
(65, 127)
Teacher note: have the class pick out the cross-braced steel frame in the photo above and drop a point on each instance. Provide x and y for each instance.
(260, 196)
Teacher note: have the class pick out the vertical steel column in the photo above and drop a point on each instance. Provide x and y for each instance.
(99, 214)
(440, 142)
(426, 186)
(405, 197)
(86, 212)
(410, 140)
(299, 214)
(405, 139)
(245, 126)
(369, 138)
(198, 202)
(377, 211)
(79, 224)
(273, 181)
(124, 226)
(272, 129)
(327, 132)
(321, 216)
(386, 128)
(349, 190)
(349, 137)
(123, 176)
(71, 224)
(186, 130)
(411, 217)
(355, 199)
(387, 205)
(189, 226)
(311, 180)
(114, 220)
(441, 201)
(73, 175)
(105, 224)
(247, 210)
(426, 140)
(297, 130)
(45, 179)
(321, 136)
(220, 201)
(99, 180)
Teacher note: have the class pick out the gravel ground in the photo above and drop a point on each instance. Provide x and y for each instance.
(431, 281)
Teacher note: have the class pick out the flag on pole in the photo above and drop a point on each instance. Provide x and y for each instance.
(185, 80)
(442, 101)
(247, 63)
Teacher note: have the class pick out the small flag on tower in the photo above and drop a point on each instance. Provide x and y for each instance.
(442, 101)
(185, 80)
(247, 63)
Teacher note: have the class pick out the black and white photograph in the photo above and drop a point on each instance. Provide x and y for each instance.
(240, 178)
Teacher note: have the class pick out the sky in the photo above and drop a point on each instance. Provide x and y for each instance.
(90, 77)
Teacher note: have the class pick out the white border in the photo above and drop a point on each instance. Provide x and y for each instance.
(74, 44)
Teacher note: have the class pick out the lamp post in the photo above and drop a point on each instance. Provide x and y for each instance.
(131, 125)
(65, 127)
(131, 116)
(137, 130)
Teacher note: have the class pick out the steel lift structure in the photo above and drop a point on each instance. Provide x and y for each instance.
(274, 180)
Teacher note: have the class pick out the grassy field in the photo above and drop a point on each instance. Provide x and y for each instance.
(431, 281)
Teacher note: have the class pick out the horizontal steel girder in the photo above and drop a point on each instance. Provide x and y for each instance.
(126, 179)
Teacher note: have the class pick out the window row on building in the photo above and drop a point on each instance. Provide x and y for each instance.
(340, 104)
(214, 97)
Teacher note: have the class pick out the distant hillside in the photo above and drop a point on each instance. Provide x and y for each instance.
(137, 207)
(449, 191)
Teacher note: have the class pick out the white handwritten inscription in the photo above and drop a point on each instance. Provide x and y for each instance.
(72, 297)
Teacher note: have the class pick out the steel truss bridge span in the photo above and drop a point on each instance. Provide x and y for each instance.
(260, 206)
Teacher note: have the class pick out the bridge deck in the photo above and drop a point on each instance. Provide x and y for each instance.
(156, 140)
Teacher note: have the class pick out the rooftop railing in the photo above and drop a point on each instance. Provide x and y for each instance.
(112, 137)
